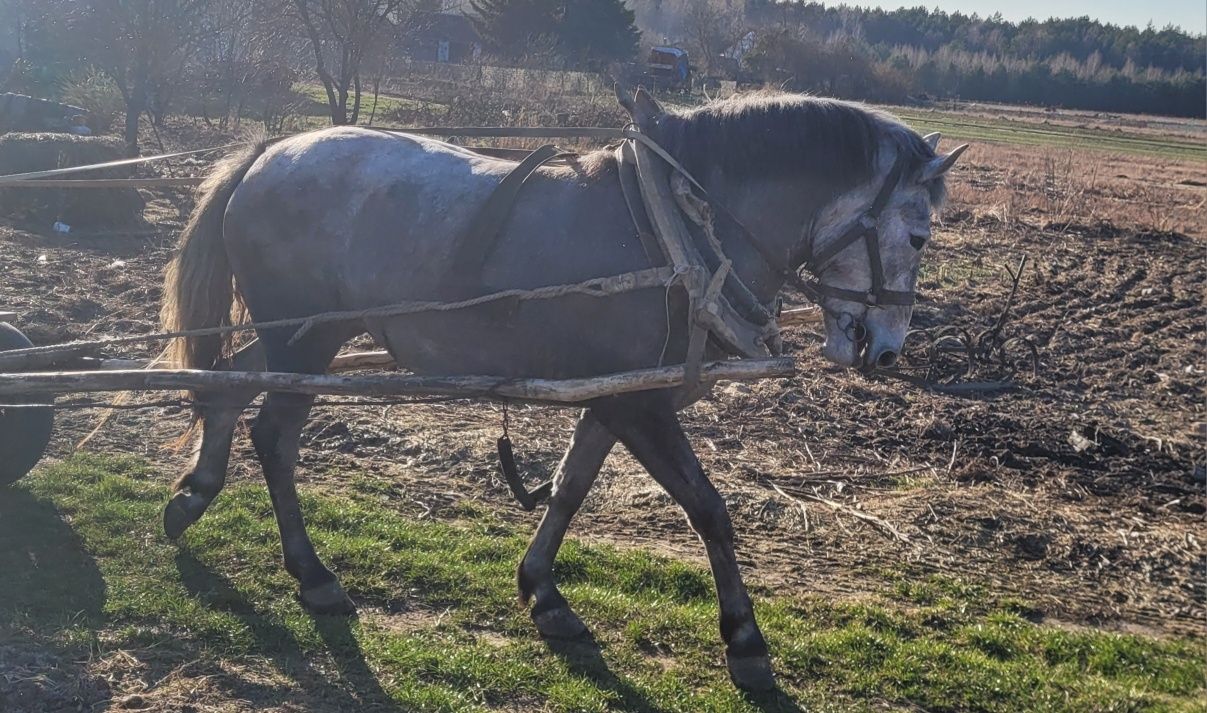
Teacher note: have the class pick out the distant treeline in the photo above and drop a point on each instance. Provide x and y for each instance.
(891, 55)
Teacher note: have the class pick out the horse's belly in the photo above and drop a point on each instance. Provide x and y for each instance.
(563, 338)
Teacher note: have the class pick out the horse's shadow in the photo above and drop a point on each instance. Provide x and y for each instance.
(48, 581)
(584, 657)
(363, 692)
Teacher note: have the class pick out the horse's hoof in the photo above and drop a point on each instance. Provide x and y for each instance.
(181, 512)
(328, 599)
(751, 673)
(559, 623)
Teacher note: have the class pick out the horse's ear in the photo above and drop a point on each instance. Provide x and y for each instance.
(939, 165)
(623, 98)
(644, 110)
(932, 140)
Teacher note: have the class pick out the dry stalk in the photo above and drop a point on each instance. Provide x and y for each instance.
(877, 522)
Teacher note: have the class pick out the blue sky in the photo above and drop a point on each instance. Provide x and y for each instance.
(1190, 15)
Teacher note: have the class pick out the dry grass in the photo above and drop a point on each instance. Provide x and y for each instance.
(1051, 187)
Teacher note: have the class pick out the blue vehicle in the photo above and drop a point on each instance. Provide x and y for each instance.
(669, 68)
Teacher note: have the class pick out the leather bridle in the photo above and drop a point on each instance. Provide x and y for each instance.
(864, 228)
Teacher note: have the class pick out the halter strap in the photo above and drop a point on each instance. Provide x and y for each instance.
(865, 227)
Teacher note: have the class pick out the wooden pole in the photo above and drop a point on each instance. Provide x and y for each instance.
(45, 360)
(563, 391)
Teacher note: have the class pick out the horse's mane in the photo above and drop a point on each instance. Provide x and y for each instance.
(769, 135)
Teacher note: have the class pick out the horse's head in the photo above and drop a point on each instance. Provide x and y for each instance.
(866, 247)
(844, 191)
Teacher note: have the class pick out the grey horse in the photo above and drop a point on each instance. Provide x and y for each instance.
(351, 218)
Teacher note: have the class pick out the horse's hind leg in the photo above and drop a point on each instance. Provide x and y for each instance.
(197, 488)
(648, 427)
(588, 449)
(218, 413)
(275, 435)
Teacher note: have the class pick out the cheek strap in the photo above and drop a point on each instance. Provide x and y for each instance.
(866, 228)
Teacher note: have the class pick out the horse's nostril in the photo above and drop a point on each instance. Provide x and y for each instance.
(886, 359)
(860, 332)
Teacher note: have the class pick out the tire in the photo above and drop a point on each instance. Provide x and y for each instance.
(24, 432)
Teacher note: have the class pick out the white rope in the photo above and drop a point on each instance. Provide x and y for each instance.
(594, 287)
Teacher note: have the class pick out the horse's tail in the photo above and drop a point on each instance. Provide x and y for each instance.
(199, 289)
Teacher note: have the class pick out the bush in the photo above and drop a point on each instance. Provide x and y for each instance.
(92, 89)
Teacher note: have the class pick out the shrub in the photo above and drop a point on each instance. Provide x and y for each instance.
(92, 89)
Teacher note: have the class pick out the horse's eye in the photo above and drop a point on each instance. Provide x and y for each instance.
(918, 240)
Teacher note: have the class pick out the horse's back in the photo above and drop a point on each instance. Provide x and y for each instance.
(325, 211)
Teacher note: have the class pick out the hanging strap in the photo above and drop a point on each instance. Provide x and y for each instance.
(472, 251)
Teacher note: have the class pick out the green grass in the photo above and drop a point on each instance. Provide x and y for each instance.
(83, 568)
(385, 105)
(956, 125)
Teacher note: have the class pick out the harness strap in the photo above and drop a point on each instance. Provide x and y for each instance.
(865, 228)
(630, 187)
(471, 252)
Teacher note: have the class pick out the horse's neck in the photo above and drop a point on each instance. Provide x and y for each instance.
(775, 221)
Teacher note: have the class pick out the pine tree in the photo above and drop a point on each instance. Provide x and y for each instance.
(510, 26)
(593, 33)
(583, 33)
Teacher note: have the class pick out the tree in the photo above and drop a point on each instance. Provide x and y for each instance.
(139, 44)
(342, 33)
(712, 26)
(254, 54)
(18, 15)
(593, 33)
(582, 33)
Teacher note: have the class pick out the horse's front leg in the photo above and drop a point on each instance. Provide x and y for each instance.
(649, 428)
(589, 447)
(276, 434)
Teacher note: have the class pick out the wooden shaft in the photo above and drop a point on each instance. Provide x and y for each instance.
(344, 362)
(44, 360)
(564, 391)
(362, 360)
